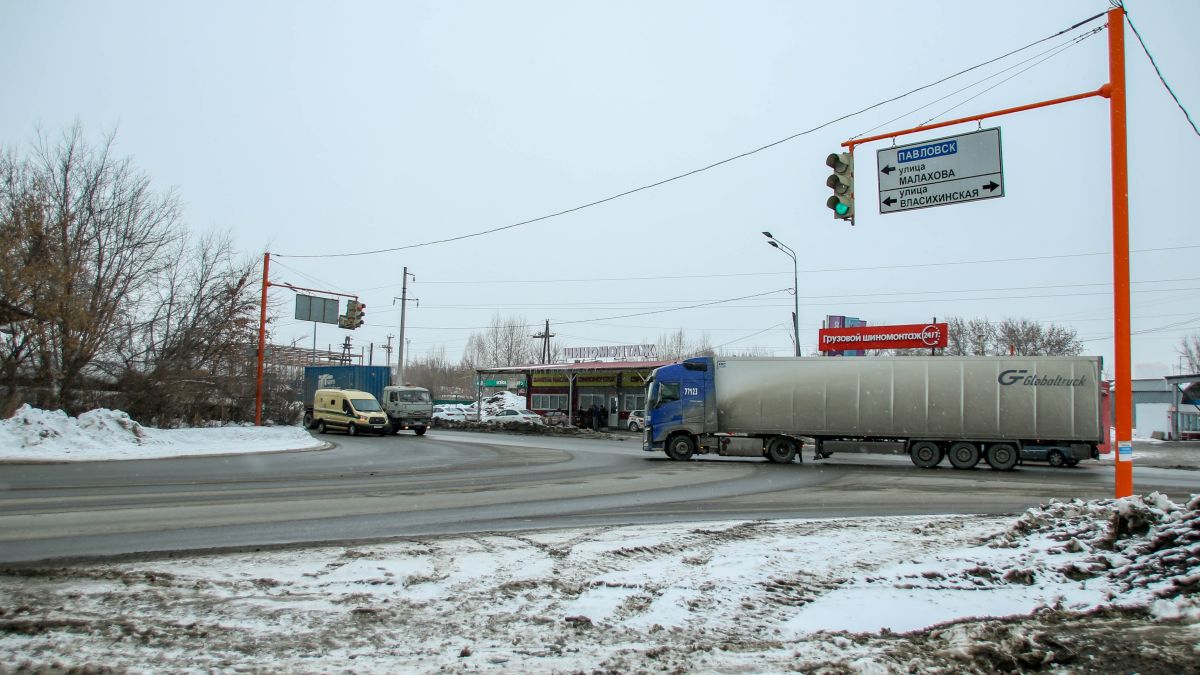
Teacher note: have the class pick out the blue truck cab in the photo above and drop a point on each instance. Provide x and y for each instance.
(680, 405)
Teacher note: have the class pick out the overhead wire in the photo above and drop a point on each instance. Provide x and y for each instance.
(822, 270)
(1058, 49)
(1077, 40)
(1154, 63)
(703, 168)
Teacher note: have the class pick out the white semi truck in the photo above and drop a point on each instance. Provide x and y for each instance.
(994, 409)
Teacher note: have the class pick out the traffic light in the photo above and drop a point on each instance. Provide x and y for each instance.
(842, 182)
(354, 315)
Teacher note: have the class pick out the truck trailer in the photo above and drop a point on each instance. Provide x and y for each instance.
(992, 408)
(407, 407)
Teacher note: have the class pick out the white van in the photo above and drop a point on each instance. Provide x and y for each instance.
(348, 410)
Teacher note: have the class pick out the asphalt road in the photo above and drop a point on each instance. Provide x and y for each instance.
(450, 482)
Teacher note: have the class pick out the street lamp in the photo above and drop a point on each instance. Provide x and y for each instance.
(780, 246)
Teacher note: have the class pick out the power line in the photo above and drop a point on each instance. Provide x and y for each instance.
(1156, 69)
(704, 168)
(1057, 48)
(809, 271)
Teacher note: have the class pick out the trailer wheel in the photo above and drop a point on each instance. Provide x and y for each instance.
(964, 455)
(680, 447)
(925, 454)
(1001, 456)
(781, 450)
(1056, 458)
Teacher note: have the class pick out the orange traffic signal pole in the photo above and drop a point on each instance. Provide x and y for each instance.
(262, 331)
(262, 342)
(1114, 91)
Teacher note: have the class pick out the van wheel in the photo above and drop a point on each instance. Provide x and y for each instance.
(308, 422)
(781, 450)
(1001, 456)
(680, 448)
(321, 426)
(925, 454)
(352, 429)
(420, 431)
(1056, 458)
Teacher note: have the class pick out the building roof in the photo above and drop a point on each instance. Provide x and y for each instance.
(585, 366)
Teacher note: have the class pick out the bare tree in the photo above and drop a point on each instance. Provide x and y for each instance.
(506, 342)
(185, 355)
(1189, 351)
(676, 346)
(441, 377)
(96, 233)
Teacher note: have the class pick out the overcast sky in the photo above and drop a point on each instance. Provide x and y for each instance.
(328, 128)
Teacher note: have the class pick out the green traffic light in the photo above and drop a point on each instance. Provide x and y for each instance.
(841, 209)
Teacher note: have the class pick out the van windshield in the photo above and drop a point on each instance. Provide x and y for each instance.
(365, 405)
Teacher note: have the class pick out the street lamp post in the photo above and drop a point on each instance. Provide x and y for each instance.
(779, 245)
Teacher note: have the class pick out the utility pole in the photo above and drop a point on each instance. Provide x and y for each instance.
(400, 344)
(387, 349)
(545, 336)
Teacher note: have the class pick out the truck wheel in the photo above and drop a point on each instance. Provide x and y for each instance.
(680, 448)
(352, 429)
(1056, 458)
(308, 420)
(1001, 456)
(925, 454)
(781, 450)
(964, 455)
(420, 431)
(321, 427)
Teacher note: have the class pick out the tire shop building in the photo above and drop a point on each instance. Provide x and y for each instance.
(572, 389)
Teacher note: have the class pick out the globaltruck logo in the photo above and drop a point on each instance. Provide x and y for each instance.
(1008, 377)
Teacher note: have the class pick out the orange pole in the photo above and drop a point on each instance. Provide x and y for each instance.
(1120, 212)
(262, 343)
(1102, 91)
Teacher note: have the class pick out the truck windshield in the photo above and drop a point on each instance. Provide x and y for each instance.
(365, 405)
(414, 396)
(663, 392)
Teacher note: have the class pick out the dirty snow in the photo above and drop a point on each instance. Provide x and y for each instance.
(42, 435)
(1100, 586)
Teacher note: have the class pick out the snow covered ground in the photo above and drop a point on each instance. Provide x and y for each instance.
(1103, 586)
(41, 435)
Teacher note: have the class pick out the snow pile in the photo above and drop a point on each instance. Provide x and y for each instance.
(1067, 581)
(41, 435)
(503, 400)
(1076, 556)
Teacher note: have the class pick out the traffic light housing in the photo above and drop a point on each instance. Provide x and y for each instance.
(354, 315)
(841, 181)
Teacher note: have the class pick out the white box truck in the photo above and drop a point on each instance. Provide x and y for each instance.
(995, 409)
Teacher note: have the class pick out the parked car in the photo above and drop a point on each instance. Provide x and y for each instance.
(449, 413)
(637, 420)
(555, 418)
(527, 416)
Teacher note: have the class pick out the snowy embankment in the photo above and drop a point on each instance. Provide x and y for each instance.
(1070, 586)
(53, 436)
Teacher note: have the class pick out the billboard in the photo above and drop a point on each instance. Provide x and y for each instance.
(838, 321)
(906, 336)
